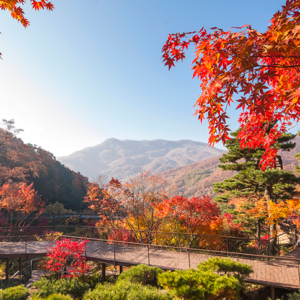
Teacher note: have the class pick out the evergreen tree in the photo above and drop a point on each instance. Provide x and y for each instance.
(273, 184)
(250, 180)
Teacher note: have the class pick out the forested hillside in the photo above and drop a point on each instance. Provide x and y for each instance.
(58, 183)
(27, 163)
(196, 179)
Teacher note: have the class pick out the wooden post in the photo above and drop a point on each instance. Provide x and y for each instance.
(20, 265)
(54, 222)
(121, 269)
(273, 293)
(298, 272)
(80, 220)
(7, 268)
(227, 244)
(103, 272)
(114, 254)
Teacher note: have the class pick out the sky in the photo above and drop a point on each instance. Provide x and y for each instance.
(87, 72)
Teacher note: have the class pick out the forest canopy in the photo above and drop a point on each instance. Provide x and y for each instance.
(20, 162)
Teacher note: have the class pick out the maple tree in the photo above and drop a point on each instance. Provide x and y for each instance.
(190, 216)
(121, 234)
(129, 205)
(101, 201)
(138, 198)
(66, 258)
(20, 200)
(260, 70)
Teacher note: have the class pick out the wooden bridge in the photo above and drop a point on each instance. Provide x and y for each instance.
(272, 271)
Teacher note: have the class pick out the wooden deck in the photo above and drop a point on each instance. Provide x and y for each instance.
(277, 273)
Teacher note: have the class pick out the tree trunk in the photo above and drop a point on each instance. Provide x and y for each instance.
(258, 235)
(273, 231)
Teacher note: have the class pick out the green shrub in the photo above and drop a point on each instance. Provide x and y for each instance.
(53, 297)
(14, 293)
(149, 293)
(141, 274)
(226, 265)
(294, 296)
(59, 297)
(44, 286)
(66, 286)
(107, 291)
(94, 279)
(200, 285)
(10, 283)
(125, 290)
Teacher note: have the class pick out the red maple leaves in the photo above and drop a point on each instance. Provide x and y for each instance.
(14, 6)
(66, 258)
(261, 70)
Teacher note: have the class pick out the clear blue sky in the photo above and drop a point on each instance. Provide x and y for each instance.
(85, 73)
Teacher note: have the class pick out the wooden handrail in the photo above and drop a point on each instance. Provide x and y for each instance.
(188, 249)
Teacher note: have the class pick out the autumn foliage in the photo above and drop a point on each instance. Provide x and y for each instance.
(259, 70)
(66, 258)
(16, 11)
(190, 216)
(20, 200)
(102, 202)
(142, 211)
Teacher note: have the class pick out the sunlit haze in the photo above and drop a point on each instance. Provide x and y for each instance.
(91, 70)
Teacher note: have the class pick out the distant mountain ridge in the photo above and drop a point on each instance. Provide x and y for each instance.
(196, 179)
(123, 158)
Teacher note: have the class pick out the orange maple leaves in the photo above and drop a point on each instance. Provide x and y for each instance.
(14, 6)
(260, 69)
(269, 211)
(20, 198)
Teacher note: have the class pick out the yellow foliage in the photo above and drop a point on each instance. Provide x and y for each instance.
(2, 270)
(51, 236)
(271, 211)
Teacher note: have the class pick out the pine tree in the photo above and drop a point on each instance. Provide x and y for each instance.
(273, 184)
(276, 183)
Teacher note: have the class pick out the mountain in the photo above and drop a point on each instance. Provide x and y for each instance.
(196, 179)
(20, 162)
(120, 159)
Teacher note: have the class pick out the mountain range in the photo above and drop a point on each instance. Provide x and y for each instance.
(189, 167)
(125, 158)
(196, 179)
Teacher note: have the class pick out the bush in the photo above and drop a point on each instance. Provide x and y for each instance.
(14, 293)
(142, 274)
(64, 286)
(200, 285)
(226, 265)
(294, 296)
(54, 297)
(10, 283)
(59, 297)
(125, 290)
(94, 279)
(149, 293)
